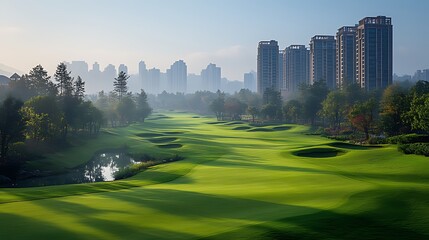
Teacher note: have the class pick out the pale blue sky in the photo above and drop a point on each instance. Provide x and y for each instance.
(225, 32)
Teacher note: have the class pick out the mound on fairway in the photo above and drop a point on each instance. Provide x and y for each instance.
(149, 135)
(260, 130)
(173, 132)
(242, 128)
(218, 122)
(233, 123)
(281, 128)
(158, 118)
(171, 145)
(318, 152)
(162, 140)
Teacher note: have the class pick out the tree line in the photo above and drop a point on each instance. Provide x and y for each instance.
(41, 114)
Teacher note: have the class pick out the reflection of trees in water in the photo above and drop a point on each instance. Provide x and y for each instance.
(100, 168)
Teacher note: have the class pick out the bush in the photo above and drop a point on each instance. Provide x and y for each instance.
(415, 148)
(408, 138)
(376, 140)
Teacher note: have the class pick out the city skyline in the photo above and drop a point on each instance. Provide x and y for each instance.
(50, 32)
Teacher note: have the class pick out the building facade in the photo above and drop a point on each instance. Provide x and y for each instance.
(250, 81)
(153, 81)
(374, 53)
(177, 77)
(296, 68)
(211, 77)
(346, 56)
(322, 60)
(268, 66)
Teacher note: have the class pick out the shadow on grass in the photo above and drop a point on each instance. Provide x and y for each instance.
(171, 145)
(162, 140)
(149, 135)
(260, 130)
(242, 128)
(352, 146)
(281, 128)
(386, 221)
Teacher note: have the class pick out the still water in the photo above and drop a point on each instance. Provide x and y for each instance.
(100, 168)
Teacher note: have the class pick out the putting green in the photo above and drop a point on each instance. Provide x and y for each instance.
(232, 184)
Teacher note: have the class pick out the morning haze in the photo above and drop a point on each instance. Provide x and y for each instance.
(214, 119)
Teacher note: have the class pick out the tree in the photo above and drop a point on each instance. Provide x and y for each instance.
(79, 88)
(419, 112)
(39, 82)
(126, 110)
(64, 80)
(334, 108)
(120, 84)
(218, 105)
(234, 108)
(272, 107)
(362, 116)
(11, 125)
(253, 111)
(394, 106)
(312, 97)
(292, 111)
(143, 108)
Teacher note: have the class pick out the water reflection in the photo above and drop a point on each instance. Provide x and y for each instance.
(101, 168)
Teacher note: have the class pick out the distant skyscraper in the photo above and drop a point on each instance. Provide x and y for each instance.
(281, 69)
(296, 67)
(374, 51)
(177, 77)
(421, 75)
(194, 83)
(346, 56)
(250, 81)
(211, 78)
(268, 66)
(78, 68)
(143, 75)
(96, 67)
(109, 74)
(322, 60)
(153, 80)
(123, 68)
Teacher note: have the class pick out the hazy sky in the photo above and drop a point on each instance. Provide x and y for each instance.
(225, 32)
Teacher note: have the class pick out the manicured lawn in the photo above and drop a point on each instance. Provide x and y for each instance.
(237, 181)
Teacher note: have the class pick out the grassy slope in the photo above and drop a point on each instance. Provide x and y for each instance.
(234, 184)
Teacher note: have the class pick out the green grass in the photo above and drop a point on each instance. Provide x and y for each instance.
(231, 185)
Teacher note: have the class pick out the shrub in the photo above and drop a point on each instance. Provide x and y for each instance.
(408, 138)
(415, 148)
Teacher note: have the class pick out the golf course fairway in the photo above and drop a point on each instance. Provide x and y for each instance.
(236, 182)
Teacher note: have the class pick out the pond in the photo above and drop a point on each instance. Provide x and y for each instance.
(100, 168)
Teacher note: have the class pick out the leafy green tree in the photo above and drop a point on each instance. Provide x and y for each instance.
(394, 106)
(419, 112)
(126, 110)
(143, 109)
(312, 97)
(218, 105)
(64, 80)
(334, 108)
(272, 107)
(253, 111)
(11, 125)
(120, 84)
(292, 111)
(362, 116)
(235, 108)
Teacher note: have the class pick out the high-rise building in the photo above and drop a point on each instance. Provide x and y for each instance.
(123, 68)
(421, 75)
(177, 77)
(322, 60)
(78, 68)
(143, 75)
(346, 56)
(268, 66)
(153, 80)
(281, 69)
(296, 67)
(211, 78)
(250, 81)
(374, 52)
